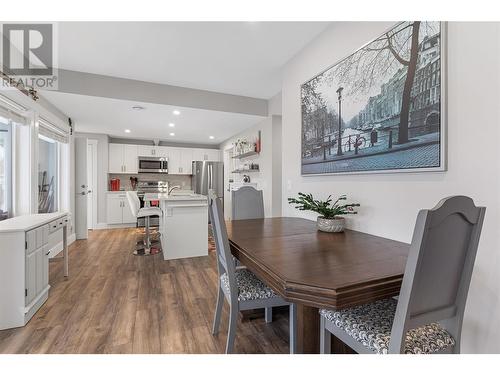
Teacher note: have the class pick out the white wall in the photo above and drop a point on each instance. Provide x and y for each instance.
(390, 202)
(268, 169)
(274, 107)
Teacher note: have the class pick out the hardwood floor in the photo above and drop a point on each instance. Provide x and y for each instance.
(115, 302)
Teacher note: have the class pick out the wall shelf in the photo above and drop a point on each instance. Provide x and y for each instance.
(245, 155)
(245, 170)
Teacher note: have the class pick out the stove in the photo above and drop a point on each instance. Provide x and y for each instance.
(146, 186)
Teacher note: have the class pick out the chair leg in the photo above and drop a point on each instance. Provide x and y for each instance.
(218, 311)
(148, 239)
(268, 314)
(325, 337)
(293, 328)
(231, 333)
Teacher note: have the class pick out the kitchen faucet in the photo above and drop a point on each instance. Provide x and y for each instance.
(173, 188)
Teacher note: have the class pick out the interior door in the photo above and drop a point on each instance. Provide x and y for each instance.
(81, 188)
(91, 178)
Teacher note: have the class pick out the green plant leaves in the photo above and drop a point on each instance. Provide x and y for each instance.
(327, 209)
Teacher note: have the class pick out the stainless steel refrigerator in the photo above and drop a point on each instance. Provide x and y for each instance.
(208, 175)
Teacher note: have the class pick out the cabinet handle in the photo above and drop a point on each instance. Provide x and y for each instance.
(124, 168)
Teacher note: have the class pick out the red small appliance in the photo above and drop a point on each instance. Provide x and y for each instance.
(114, 184)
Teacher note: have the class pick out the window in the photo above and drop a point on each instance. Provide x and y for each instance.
(5, 170)
(48, 175)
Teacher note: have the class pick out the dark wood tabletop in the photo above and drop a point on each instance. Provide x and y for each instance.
(316, 269)
(320, 269)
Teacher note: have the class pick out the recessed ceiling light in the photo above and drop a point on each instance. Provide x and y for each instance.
(171, 125)
(211, 137)
(176, 112)
(137, 108)
(172, 134)
(127, 130)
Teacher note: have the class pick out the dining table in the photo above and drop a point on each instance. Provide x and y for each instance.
(315, 269)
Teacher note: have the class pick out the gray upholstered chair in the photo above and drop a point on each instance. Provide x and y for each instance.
(239, 286)
(427, 316)
(247, 203)
(144, 247)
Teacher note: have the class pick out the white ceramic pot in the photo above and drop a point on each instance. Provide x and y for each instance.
(331, 225)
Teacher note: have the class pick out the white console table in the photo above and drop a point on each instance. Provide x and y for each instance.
(24, 264)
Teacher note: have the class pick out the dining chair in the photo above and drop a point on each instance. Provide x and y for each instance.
(238, 285)
(143, 247)
(427, 316)
(247, 203)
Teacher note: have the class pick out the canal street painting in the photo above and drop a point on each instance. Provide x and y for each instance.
(379, 109)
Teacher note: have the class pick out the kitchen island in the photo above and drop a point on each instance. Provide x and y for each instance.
(183, 224)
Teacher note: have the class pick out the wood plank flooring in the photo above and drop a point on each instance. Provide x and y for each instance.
(115, 302)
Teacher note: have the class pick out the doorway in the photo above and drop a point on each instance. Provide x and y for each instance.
(92, 183)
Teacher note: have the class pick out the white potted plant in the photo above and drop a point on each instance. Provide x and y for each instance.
(331, 214)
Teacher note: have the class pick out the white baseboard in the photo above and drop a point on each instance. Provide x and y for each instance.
(113, 226)
(101, 226)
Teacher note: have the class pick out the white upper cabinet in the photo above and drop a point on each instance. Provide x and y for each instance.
(202, 154)
(122, 158)
(179, 160)
(186, 161)
(154, 151)
(174, 160)
(162, 151)
(146, 150)
(130, 161)
(213, 155)
(115, 160)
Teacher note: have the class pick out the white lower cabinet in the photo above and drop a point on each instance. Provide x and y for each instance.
(118, 209)
(25, 247)
(127, 217)
(37, 263)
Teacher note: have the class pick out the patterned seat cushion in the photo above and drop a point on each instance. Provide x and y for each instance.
(371, 325)
(249, 286)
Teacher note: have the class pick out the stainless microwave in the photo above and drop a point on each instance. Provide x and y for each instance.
(149, 164)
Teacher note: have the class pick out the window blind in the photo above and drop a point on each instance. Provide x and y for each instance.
(50, 130)
(10, 110)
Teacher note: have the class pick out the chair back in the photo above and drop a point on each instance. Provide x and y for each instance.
(225, 262)
(247, 203)
(439, 269)
(133, 202)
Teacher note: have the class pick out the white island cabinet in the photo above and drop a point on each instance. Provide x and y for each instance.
(183, 224)
(24, 264)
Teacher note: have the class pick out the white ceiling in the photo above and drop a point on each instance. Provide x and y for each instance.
(110, 116)
(241, 58)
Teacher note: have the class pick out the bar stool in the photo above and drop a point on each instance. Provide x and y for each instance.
(145, 247)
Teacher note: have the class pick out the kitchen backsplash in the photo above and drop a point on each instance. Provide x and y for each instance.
(173, 180)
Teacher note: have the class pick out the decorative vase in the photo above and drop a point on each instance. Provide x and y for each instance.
(334, 225)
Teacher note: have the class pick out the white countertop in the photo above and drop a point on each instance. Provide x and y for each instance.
(27, 222)
(174, 197)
